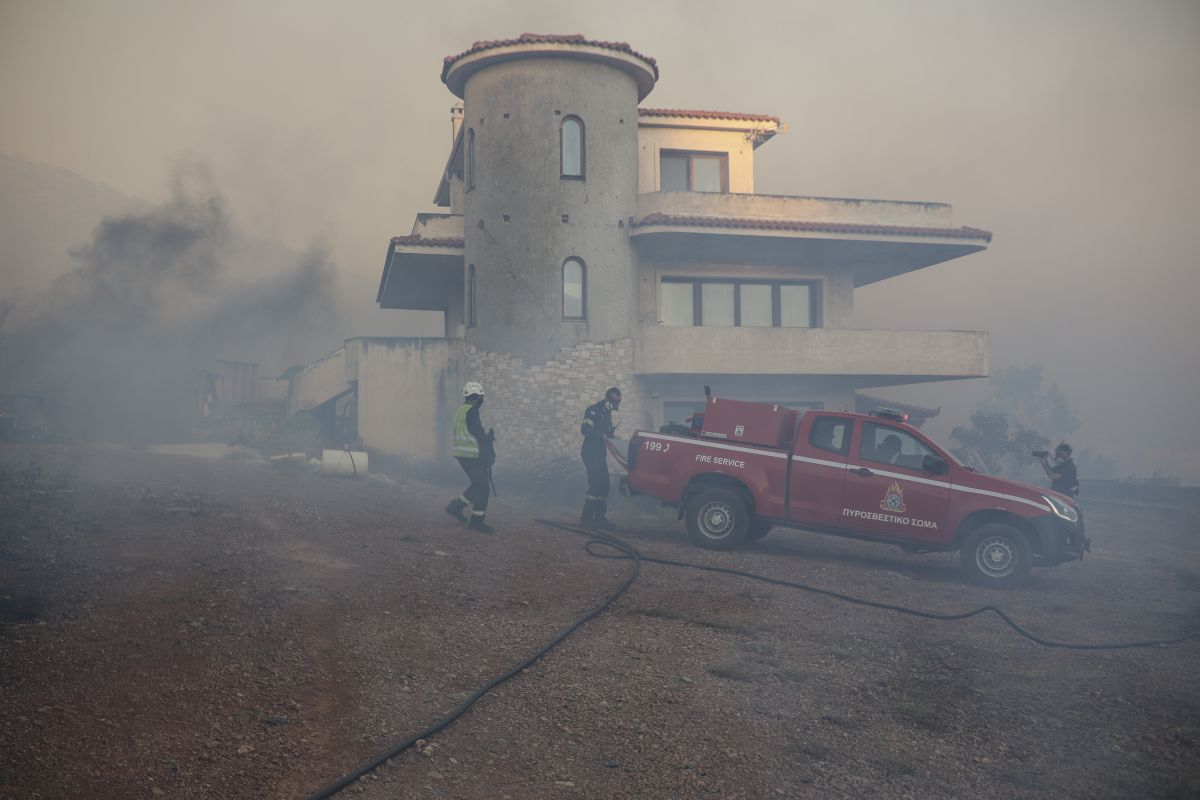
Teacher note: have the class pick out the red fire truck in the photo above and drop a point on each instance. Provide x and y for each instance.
(741, 468)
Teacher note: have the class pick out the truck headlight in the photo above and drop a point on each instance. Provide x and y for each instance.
(1061, 509)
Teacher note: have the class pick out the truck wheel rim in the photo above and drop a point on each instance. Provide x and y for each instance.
(716, 520)
(996, 557)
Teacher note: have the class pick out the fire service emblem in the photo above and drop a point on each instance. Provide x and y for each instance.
(893, 499)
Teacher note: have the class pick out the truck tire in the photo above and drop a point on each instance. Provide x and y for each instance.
(717, 519)
(997, 556)
(758, 530)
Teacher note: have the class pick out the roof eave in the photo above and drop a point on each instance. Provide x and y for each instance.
(402, 245)
(458, 70)
(955, 236)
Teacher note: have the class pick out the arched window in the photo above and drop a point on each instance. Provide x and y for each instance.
(470, 159)
(574, 288)
(571, 135)
(471, 296)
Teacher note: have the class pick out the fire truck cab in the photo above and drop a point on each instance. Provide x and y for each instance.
(742, 468)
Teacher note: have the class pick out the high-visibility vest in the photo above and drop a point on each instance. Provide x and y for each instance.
(465, 443)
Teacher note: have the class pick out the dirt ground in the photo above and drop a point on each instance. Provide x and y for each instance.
(183, 627)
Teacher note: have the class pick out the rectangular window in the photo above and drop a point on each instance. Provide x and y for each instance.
(831, 434)
(693, 172)
(679, 411)
(708, 173)
(674, 173)
(716, 304)
(755, 307)
(746, 304)
(677, 303)
(795, 306)
(886, 445)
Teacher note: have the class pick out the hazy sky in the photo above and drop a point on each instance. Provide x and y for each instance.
(1069, 129)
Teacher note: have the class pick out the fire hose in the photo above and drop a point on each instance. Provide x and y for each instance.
(617, 455)
(626, 551)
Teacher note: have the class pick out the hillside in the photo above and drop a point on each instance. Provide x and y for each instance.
(45, 212)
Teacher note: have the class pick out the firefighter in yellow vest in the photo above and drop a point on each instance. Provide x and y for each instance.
(475, 452)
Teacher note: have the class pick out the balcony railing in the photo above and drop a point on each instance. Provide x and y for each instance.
(918, 355)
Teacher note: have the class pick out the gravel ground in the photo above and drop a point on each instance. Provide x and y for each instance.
(182, 627)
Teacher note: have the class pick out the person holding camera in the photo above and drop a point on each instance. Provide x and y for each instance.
(1063, 477)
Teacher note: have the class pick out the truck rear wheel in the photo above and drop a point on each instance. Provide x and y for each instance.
(717, 519)
(997, 556)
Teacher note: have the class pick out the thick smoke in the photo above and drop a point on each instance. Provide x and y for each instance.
(117, 344)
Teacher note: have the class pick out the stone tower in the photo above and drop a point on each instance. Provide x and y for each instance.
(550, 126)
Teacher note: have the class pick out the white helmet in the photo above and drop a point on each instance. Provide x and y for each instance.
(473, 387)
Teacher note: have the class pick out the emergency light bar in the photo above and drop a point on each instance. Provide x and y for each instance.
(890, 413)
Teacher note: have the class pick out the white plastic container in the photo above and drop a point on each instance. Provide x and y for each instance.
(344, 463)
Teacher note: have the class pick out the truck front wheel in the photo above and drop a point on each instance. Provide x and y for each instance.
(717, 519)
(996, 555)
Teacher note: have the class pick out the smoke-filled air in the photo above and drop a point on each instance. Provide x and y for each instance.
(119, 342)
(532, 400)
(1066, 129)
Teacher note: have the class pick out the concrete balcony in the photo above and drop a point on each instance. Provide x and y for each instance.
(881, 357)
(872, 239)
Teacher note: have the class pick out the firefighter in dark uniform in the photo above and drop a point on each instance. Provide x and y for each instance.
(596, 427)
(475, 452)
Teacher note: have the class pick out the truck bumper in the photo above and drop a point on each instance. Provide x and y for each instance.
(1060, 541)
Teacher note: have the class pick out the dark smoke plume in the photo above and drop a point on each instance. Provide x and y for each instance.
(117, 344)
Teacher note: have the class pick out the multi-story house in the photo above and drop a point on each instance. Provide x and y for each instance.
(587, 241)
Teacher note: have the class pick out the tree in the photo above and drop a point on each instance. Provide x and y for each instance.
(1018, 416)
(989, 443)
(1018, 394)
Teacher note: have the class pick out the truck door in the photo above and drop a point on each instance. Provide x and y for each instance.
(819, 469)
(888, 491)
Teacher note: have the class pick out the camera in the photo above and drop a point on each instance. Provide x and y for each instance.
(1040, 454)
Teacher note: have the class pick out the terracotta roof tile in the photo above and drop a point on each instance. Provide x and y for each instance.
(802, 225)
(546, 38)
(697, 114)
(421, 241)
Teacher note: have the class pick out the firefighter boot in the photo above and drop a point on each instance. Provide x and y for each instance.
(599, 521)
(589, 513)
(455, 509)
(477, 524)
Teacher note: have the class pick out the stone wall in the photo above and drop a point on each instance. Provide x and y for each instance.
(536, 410)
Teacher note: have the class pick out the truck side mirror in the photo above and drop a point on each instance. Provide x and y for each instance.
(935, 464)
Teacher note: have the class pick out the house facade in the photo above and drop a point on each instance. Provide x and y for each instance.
(585, 241)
